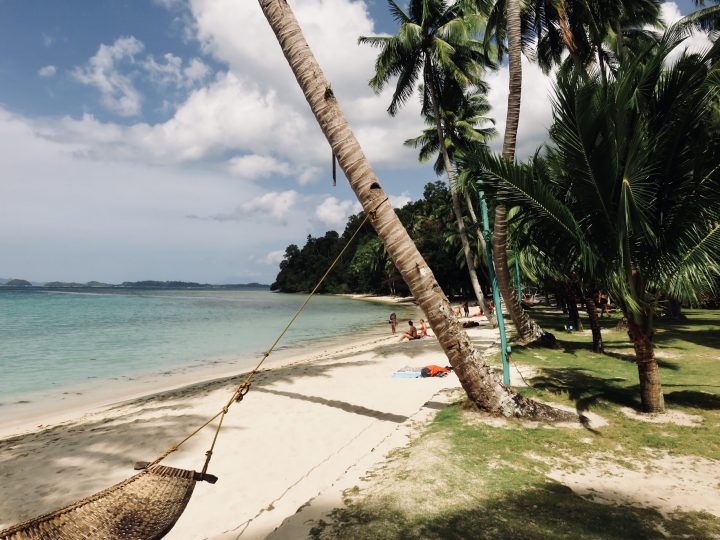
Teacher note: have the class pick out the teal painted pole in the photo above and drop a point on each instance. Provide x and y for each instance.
(517, 280)
(504, 348)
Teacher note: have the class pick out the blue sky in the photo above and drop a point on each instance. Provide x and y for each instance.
(166, 139)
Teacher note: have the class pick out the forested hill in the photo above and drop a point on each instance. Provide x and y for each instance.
(366, 267)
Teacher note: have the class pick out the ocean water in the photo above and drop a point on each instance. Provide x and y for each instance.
(55, 340)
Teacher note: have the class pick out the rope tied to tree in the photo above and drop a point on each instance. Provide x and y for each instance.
(244, 387)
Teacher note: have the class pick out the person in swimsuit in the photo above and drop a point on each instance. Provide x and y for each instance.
(393, 322)
(423, 329)
(411, 334)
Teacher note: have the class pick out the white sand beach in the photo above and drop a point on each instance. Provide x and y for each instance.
(309, 423)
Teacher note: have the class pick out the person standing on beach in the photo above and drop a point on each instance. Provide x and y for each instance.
(393, 322)
(466, 308)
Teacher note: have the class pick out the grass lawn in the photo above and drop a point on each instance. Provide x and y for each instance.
(469, 476)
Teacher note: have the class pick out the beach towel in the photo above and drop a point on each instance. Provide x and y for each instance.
(406, 375)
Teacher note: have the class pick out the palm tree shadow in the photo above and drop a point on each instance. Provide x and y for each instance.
(631, 358)
(544, 509)
(694, 399)
(585, 389)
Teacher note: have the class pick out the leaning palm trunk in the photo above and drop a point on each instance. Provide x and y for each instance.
(476, 377)
(528, 331)
(457, 207)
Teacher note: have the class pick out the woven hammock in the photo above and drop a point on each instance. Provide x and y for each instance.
(145, 506)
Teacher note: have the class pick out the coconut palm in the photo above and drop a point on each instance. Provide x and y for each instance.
(436, 42)
(476, 377)
(706, 18)
(581, 28)
(551, 27)
(528, 331)
(636, 199)
(466, 124)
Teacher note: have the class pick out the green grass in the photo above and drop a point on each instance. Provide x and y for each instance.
(464, 478)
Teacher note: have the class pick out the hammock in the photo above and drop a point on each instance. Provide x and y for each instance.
(144, 506)
(147, 505)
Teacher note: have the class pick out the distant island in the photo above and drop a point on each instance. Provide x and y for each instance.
(17, 283)
(147, 284)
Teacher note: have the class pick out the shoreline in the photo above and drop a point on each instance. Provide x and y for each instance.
(306, 422)
(42, 410)
(27, 413)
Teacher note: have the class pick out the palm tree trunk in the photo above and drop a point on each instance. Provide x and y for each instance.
(651, 394)
(572, 307)
(591, 309)
(452, 181)
(528, 331)
(620, 49)
(476, 377)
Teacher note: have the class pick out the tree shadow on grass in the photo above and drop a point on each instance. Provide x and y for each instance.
(585, 389)
(541, 511)
(706, 337)
(691, 398)
(674, 366)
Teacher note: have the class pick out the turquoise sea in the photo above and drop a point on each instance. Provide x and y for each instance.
(51, 340)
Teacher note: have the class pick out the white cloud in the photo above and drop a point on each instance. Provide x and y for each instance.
(535, 107)
(398, 201)
(334, 213)
(47, 39)
(164, 73)
(253, 166)
(255, 107)
(229, 114)
(77, 220)
(697, 42)
(309, 175)
(274, 257)
(47, 71)
(117, 91)
(172, 71)
(196, 71)
(274, 205)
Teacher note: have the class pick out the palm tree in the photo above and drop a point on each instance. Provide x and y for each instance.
(552, 26)
(476, 377)
(435, 42)
(631, 191)
(706, 18)
(464, 120)
(546, 260)
(528, 330)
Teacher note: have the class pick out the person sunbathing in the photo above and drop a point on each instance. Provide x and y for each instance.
(411, 334)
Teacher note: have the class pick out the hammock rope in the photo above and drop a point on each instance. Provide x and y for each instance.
(147, 505)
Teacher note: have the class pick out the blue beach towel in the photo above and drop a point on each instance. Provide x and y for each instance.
(406, 375)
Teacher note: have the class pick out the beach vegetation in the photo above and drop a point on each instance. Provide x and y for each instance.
(438, 43)
(624, 190)
(472, 476)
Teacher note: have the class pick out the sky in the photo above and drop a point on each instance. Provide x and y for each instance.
(168, 140)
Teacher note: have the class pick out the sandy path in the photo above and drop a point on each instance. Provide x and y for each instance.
(301, 428)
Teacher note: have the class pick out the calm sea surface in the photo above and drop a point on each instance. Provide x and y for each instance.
(53, 340)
